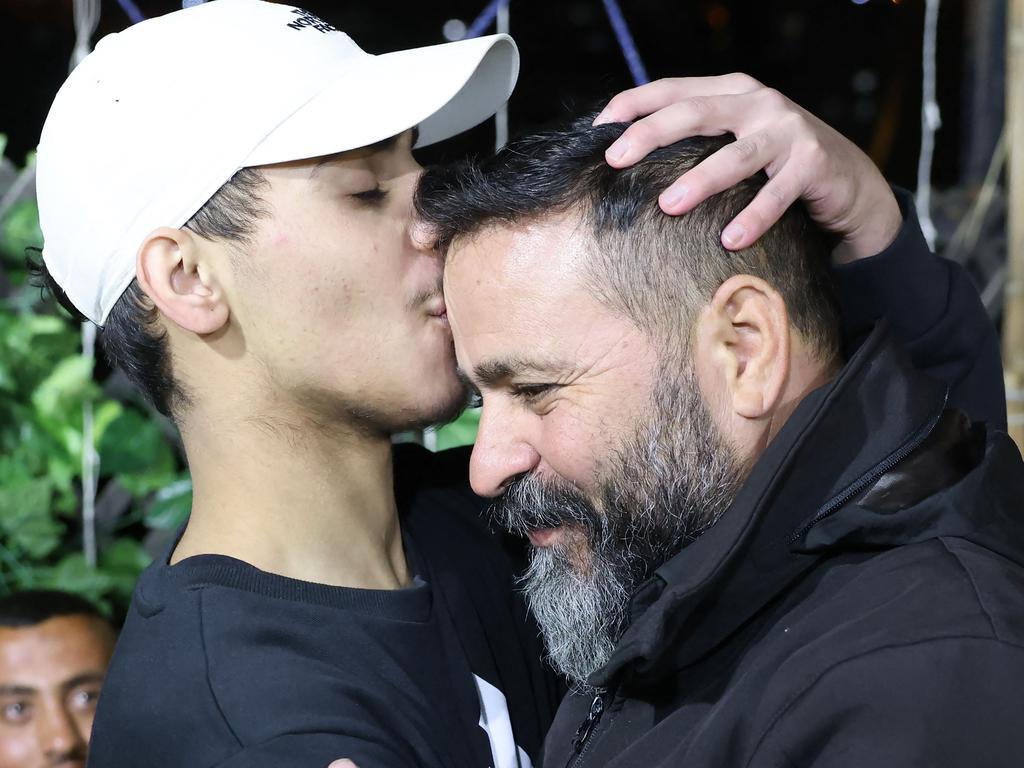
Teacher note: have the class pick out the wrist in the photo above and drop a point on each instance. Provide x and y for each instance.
(876, 233)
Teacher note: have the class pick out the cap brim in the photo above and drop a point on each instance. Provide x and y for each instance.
(444, 89)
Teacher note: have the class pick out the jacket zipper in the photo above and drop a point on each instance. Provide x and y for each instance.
(581, 740)
(908, 448)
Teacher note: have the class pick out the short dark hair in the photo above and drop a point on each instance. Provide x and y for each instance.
(131, 337)
(655, 268)
(34, 606)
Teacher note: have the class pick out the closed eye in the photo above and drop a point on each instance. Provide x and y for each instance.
(374, 195)
(531, 393)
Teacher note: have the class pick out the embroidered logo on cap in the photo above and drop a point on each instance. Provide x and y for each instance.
(307, 20)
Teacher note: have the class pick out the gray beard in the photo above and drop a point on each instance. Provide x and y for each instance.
(665, 487)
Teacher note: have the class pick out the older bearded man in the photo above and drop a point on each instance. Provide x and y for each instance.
(749, 549)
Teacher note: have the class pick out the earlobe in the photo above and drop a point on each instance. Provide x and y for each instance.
(751, 337)
(173, 275)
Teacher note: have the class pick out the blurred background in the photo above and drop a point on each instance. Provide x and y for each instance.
(77, 444)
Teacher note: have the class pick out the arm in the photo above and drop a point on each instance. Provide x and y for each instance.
(883, 267)
(950, 702)
(933, 307)
(316, 751)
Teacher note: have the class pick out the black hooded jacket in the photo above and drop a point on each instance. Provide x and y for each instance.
(860, 604)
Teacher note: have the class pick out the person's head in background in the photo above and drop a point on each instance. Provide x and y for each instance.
(54, 652)
(632, 369)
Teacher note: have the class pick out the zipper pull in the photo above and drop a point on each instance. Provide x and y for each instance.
(587, 726)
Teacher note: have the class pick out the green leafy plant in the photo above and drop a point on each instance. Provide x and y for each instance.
(45, 385)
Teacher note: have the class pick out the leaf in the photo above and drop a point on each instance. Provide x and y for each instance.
(19, 230)
(104, 413)
(64, 390)
(462, 431)
(72, 574)
(171, 505)
(122, 562)
(26, 519)
(37, 537)
(134, 448)
(124, 556)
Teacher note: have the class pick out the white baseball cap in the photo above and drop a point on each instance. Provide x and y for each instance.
(155, 120)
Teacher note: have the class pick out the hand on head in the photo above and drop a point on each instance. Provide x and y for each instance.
(804, 158)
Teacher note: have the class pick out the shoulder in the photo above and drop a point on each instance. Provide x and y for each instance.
(940, 701)
(941, 587)
(907, 654)
(156, 687)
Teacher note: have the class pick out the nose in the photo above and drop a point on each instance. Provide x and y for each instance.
(59, 735)
(502, 452)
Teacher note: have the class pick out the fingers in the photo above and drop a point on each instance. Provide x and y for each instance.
(645, 99)
(728, 166)
(695, 116)
(764, 210)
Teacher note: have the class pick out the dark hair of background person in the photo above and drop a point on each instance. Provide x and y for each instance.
(29, 608)
(131, 337)
(658, 270)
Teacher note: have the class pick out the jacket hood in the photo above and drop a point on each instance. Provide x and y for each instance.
(870, 461)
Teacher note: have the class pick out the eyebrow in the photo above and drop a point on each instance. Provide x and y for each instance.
(380, 146)
(491, 373)
(17, 690)
(83, 679)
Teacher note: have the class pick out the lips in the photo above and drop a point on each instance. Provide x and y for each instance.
(437, 308)
(545, 537)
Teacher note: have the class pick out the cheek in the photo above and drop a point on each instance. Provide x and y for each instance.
(18, 746)
(570, 445)
(83, 720)
(580, 439)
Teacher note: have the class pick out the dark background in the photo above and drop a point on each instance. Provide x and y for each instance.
(855, 64)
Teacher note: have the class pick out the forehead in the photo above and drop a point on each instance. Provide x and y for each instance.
(49, 653)
(326, 167)
(524, 275)
(520, 292)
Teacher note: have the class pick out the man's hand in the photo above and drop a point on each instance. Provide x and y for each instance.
(804, 158)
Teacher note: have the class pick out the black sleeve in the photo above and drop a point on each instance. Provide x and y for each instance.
(944, 703)
(311, 750)
(932, 306)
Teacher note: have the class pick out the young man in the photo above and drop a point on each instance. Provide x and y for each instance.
(749, 549)
(314, 605)
(239, 220)
(54, 652)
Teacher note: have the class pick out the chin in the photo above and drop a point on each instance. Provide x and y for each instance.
(443, 408)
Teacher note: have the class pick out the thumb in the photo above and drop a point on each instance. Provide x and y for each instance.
(342, 764)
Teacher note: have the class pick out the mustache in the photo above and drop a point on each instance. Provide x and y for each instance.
(531, 503)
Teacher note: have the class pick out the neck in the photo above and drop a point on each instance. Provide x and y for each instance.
(291, 497)
(806, 374)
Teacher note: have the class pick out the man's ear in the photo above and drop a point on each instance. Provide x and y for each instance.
(181, 285)
(745, 336)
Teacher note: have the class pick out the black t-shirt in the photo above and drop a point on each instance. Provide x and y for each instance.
(221, 664)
